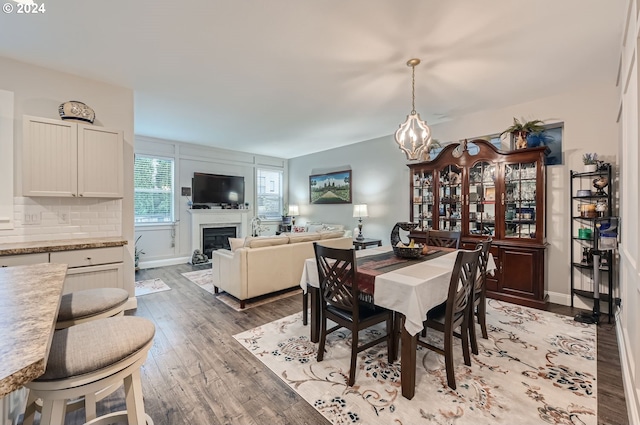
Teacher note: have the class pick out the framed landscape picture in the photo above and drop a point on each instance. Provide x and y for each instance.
(330, 188)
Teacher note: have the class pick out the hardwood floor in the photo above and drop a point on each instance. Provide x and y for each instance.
(197, 374)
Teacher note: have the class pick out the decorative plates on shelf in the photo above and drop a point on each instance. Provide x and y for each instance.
(74, 110)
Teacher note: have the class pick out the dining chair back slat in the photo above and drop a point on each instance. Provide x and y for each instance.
(443, 238)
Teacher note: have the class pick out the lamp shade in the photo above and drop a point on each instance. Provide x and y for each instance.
(293, 210)
(360, 210)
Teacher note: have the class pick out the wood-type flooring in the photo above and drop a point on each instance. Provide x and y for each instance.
(197, 374)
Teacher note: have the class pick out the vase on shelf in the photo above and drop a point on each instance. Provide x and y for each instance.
(590, 168)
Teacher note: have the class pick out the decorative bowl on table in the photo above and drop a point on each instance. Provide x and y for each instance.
(406, 252)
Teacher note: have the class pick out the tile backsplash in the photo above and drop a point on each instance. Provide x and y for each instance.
(38, 219)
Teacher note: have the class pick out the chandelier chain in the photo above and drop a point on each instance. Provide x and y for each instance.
(413, 90)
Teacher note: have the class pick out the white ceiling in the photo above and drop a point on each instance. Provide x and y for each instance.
(287, 78)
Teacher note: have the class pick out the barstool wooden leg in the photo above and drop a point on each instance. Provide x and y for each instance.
(30, 412)
(133, 396)
(53, 412)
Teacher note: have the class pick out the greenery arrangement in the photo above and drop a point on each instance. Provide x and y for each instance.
(589, 158)
(137, 252)
(523, 126)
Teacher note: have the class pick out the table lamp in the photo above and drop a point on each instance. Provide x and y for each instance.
(360, 211)
(293, 212)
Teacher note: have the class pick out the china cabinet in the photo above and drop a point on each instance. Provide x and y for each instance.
(67, 159)
(480, 191)
(591, 206)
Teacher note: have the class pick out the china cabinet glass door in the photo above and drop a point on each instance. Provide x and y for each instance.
(422, 202)
(482, 199)
(450, 198)
(520, 200)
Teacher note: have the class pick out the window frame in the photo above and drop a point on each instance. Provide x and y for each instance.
(172, 192)
(276, 216)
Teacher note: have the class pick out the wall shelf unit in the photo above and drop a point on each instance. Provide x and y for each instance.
(588, 212)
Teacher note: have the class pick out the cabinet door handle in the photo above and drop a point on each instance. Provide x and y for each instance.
(73, 194)
(88, 258)
(502, 198)
(81, 194)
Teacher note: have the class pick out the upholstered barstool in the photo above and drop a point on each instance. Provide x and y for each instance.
(90, 304)
(86, 358)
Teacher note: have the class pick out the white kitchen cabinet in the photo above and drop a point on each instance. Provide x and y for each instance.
(91, 268)
(23, 259)
(68, 159)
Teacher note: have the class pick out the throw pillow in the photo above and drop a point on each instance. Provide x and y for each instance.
(236, 243)
(299, 229)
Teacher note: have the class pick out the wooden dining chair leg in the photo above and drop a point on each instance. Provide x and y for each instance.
(464, 330)
(305, 306)
(472, 332)
(354, 357)
(482, 316)
(448, 360)
(392, 337)
(323, 338)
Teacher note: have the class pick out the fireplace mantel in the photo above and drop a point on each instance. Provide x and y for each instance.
(201, 219)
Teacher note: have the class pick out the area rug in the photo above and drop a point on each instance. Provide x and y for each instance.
(536, 368)
(151, 286)
(202, 278)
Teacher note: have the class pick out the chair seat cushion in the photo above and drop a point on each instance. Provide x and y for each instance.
(95, 345)
(366, 311)
(89, 302)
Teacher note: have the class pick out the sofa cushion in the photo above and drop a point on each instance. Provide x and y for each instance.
(262, 241)
(236, 243)
(331, 234)
(304, 237)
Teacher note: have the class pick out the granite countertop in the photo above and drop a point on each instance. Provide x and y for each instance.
(29, 302)
(59, 245)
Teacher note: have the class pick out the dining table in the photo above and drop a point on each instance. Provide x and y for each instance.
(409, 287)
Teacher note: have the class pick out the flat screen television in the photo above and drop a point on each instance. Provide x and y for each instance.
(217, 189)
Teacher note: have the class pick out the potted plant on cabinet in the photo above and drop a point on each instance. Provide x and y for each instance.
(522, 128)
(590, 161)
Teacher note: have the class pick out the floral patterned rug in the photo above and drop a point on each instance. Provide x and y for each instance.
(202, 278)
(536, 368)
(150, 286)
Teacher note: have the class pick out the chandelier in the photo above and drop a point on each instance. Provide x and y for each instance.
(414, 135)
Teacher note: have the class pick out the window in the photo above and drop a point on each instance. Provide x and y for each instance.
(269, 194)
(153, 189)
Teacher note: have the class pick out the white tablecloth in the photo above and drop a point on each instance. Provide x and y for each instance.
(411, 290)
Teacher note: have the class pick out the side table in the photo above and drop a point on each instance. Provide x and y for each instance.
(364, 243)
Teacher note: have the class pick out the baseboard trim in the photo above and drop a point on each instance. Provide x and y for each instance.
(558, 298)
(633, 410)
(163, 263)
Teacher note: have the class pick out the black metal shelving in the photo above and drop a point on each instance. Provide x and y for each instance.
(582, 181)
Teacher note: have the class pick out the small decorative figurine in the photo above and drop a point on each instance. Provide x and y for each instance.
(198, 257)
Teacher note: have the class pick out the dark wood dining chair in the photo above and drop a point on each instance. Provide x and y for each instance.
(340, 303)
(455, 313)
(443, 238)
(479, 304)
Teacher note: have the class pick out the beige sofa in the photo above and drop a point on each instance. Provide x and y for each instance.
(262, 265)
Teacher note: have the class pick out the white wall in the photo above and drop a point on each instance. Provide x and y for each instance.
(171, 244)
(39, 91)
(381, 178)
(629, 250)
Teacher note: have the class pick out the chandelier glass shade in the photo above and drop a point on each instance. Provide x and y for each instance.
(414, 135)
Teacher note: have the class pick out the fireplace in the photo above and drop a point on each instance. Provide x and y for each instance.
(216, 238)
